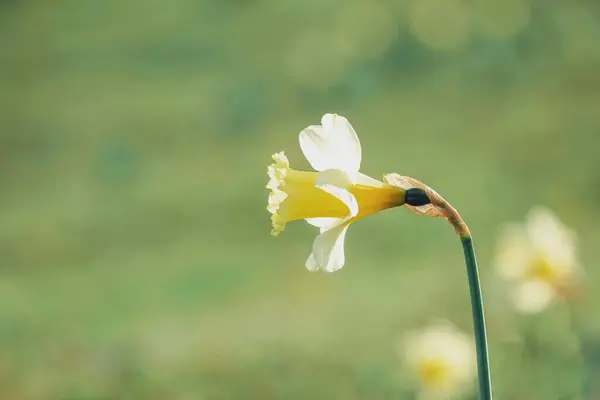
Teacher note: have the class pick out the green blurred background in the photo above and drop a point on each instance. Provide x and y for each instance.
(135, 255)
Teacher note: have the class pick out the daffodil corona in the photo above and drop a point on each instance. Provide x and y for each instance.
(331, 197)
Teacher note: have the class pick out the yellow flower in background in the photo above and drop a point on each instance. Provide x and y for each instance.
(331, 198)
(539, 259)
(442, 361)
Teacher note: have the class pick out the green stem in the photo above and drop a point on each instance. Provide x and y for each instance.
(483, 367)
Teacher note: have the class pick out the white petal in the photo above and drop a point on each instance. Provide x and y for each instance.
(334, 144)
(551, 237)
(541, 221)
(311, 263)
(366, 180)
(533, 296)
(337, 183)
(513, 253)
(324, 223)
(328, 250)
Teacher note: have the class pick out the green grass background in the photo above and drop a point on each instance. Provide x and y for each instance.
(135, 256)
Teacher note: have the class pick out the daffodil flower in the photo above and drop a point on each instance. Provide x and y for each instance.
(441, 359)
(331, 197)
(538, 258)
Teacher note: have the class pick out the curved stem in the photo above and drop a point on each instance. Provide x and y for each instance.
(440, 207)
(483, 367)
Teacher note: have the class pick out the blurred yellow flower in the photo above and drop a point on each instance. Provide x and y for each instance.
(441, 359)
(332, 198)
(539, 259)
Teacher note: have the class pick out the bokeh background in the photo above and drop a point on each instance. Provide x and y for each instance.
(135, 255)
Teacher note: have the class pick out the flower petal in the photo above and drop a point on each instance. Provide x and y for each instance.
(324, 223)
(328, 250)
(533, 296)
(366, 180)
(311, 263)
(514, 253)
(551, 237)
(334, 144)
(337, 183)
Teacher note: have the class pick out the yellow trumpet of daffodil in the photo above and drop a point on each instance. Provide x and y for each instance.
(331, 197)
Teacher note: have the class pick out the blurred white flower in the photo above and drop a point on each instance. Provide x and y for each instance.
(538, 258)
(331, 198)
(442, 361)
